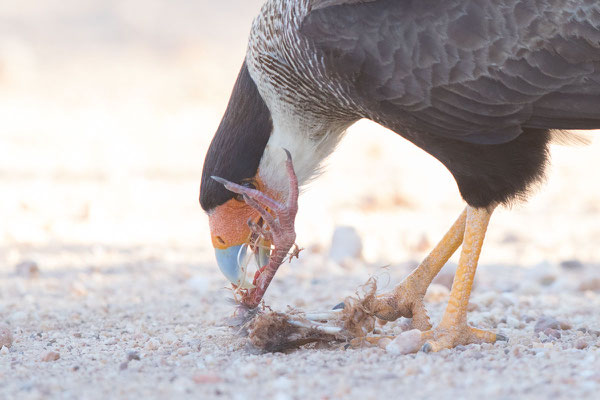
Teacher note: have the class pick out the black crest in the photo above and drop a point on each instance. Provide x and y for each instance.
(238, 145)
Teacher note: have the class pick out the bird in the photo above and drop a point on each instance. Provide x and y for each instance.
(483, 86)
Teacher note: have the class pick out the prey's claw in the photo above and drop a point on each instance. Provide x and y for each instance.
(279, 219)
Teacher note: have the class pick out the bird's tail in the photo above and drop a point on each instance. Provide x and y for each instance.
(570, 138)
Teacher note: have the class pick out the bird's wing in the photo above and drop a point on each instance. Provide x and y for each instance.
(474, 70)
(318, 4)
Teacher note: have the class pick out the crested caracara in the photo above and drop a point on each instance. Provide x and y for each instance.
(479, 84)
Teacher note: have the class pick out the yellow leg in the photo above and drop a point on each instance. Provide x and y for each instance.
(453, 329)
(406, 300)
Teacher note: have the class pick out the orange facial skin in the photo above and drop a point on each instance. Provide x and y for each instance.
(228, 223)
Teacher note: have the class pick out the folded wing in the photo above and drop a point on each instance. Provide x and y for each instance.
(474, 70)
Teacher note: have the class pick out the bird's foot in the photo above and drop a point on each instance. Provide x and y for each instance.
(441, 338)
(279, 218)
(405, 301)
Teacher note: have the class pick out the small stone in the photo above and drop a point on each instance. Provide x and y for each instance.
(124, 365)
(152, 344)
(27, 269)
(552, 333)
(571, 264)
(183, 351)
(249, 370)
(206, 378)
(591, 285)
(6, 337)
(199, 283)
(405, 343)
(4, 350)
(170, 338)
(133, 355)
(346, 243)
(51, 356)
(545, 322)
(581, 344)
(547, 280)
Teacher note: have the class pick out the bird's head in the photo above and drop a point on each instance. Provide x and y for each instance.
(235, 154)
(232, 236)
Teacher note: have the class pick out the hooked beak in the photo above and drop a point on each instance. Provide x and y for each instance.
(233, 262)
(227, 259)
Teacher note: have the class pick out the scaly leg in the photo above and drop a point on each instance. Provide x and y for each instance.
(406, 300)
(453, 329)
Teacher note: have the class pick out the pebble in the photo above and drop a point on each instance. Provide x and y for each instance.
(170, 338)
(345, 243)
(51, 356)
(4, 350)
(249, 370)
(405, 343)
(6, 337)
(206, 378)
(152, 344)
(550, 334)
(581, 344)
(27, 269)
(591, 284)
(199, 283)
(183, 351)
(545, 322)
(133, 355)
(571, 264)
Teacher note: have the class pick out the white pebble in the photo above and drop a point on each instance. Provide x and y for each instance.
(345, 244)
(170, 338)
(199, 283)
(152, 344)
(405, 343)
(4, 350)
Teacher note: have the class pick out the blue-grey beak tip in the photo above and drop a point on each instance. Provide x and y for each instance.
(227, 259)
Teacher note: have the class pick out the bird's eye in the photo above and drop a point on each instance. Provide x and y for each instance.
(247, 184)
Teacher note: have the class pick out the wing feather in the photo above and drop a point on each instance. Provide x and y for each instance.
(476, 70)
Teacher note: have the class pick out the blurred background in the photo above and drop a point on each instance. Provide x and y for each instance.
(107, 108)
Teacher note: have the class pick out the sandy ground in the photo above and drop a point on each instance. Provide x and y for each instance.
(108, 284)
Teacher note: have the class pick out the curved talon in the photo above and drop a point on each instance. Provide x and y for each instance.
(501, 337)
(279, 219)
